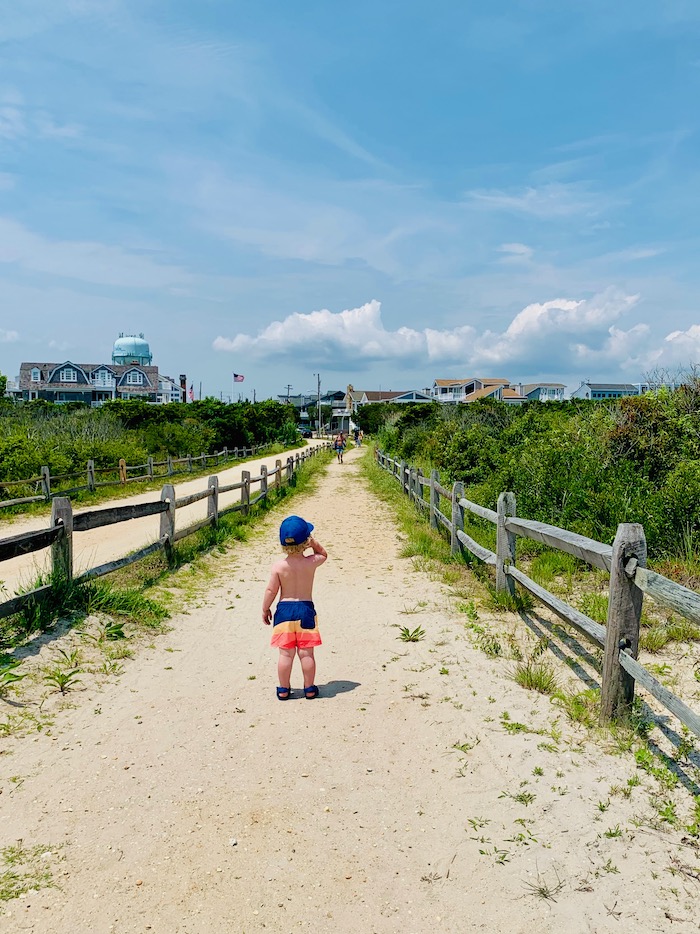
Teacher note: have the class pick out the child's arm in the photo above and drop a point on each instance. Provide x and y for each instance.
(273, 586)
(320, 552)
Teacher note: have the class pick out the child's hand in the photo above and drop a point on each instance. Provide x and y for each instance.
(267, 617)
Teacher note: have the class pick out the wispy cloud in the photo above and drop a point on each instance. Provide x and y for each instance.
(8, 337)
(86, 261)
(549, 201)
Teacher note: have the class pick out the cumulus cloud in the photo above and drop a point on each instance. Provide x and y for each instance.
(549, 334)
(679, 349)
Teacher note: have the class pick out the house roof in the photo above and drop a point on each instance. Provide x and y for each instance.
(381, 395)
(528, 387)
(611, 386)
(119, 369)
(482, 393)
(509, 393)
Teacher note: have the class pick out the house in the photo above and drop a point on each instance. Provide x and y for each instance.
(588, 390)
(468, 390)
(91, 383)
(130, 375)
(542, 392)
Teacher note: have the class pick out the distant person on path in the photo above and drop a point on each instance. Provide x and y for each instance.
(356, 436)
(295, 628)
(339, 446)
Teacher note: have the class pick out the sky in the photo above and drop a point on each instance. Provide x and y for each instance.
(379, 193)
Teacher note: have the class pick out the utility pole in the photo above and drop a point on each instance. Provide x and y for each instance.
(289, 389)
(318, 402)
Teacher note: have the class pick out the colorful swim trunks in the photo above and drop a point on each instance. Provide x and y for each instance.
(295, 625)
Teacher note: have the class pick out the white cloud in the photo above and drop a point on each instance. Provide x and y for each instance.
(679, 348)
(515, 253)
(8, 337)
(84, 260)
(546, 334)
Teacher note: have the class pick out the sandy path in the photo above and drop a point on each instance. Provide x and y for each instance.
(97, 546)
(348, 812)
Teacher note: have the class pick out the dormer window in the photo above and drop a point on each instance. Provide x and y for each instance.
(36, 374)
(134, 378)
(68, 375)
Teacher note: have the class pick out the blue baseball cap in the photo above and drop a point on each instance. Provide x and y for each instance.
(294, 530)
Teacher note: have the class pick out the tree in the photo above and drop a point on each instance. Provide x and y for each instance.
(3, 385)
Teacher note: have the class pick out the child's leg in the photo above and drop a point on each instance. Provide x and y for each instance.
(308, 666)
(284, 667)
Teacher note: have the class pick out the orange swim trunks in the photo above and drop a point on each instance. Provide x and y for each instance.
(295, 625)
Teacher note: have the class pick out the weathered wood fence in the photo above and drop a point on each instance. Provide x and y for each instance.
(47, 486)
(65, 524)
(625, 561)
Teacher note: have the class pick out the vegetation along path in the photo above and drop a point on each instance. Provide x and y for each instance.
(424, 791)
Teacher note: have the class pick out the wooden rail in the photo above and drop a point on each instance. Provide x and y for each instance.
(64, 524)
(625, 561)
(121, 472)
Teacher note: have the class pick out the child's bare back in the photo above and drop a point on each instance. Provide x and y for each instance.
(295, 625)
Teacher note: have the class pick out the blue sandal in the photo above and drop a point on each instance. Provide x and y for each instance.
(311, 692)
(286, 691)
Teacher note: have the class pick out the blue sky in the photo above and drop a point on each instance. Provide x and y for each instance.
(380, 192)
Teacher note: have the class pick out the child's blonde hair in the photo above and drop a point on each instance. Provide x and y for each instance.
(296, 549)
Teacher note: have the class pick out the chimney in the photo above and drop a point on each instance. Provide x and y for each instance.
(183, 387)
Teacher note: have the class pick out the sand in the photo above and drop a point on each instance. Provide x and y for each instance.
(183, 797)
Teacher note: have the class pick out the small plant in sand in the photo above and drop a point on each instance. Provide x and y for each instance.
(411, 635)
(8, 673)
(62, 679)
(543, 888)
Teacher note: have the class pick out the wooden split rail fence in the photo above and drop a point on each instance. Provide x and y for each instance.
(45, 485)
(65, 524)
(625, 561)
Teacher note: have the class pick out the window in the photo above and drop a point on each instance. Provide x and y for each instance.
(134, 378)
(36, 374)
(68, 375)
(102, 378)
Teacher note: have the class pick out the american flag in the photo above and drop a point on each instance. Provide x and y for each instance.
(191, 392)
(237, 378)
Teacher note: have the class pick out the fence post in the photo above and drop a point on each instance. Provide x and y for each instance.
(402, 475)
(62, 548)
(170, 466)
(149, 464)
(213, 500)
(122, 470)
(46, 482)
(245, 492)
(624, 615)
(91, 476)
(457, 517)
(189, 463)
(296, 461)
(419, 484)
(434, 498)
(278, 475)
(505, 542)
(167, 520)
(263, 480)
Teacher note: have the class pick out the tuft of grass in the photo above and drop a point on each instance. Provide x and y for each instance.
(595, 605)
(542, 888)
(536, 675)
(518, 602)
(547, 567)
(582, 707)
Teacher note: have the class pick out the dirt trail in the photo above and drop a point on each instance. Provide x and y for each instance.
(186, 799)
